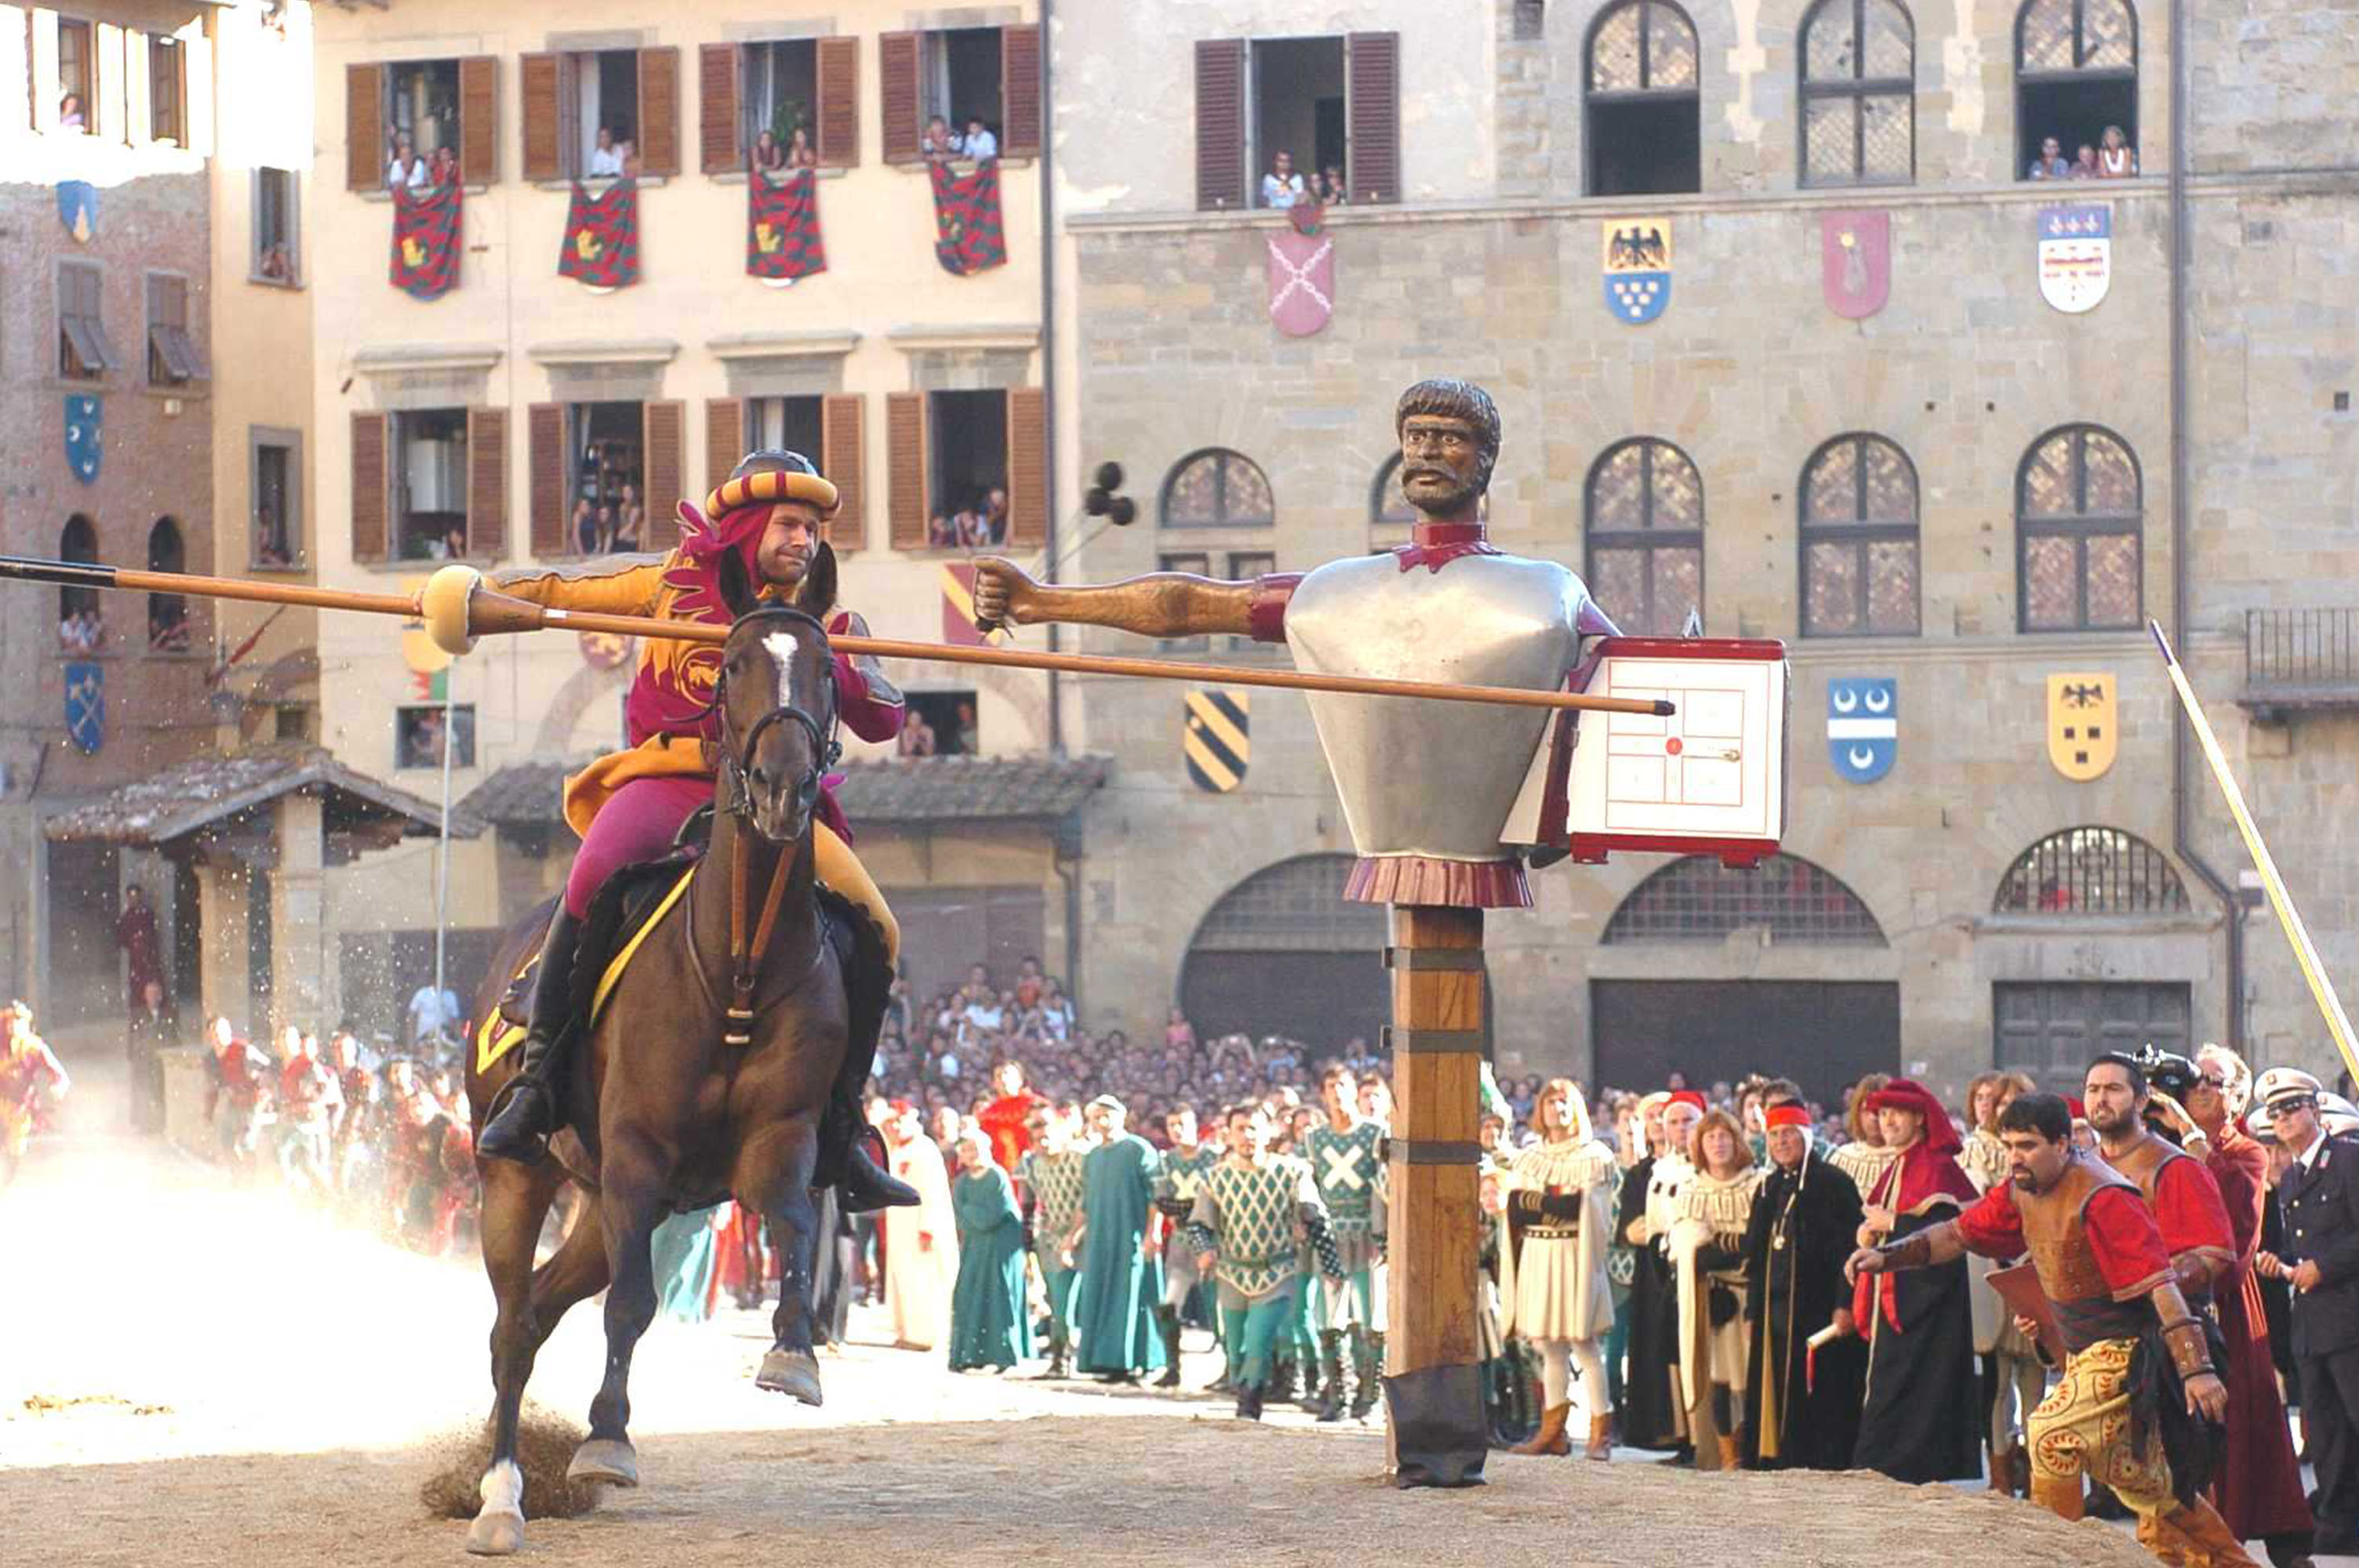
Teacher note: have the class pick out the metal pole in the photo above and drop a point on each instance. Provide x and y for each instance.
(442, 843)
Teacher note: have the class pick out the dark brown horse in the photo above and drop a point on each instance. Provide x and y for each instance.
(663, 1113)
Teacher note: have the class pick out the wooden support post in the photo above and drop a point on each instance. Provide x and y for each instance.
(1433, 1354)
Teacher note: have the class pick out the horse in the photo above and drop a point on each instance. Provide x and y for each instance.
(703, 1076)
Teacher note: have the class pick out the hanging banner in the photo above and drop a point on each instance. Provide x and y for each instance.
(602, 236)
(86, 706)
(1216, 738)
(1855, 261)
(968, 237)
(782, 238)
(1301, 282)
(2076, 257)
(426, 233)
(85, 435)
(1863, 725)
(78, 209)
(1637, 266)
(2082, 733)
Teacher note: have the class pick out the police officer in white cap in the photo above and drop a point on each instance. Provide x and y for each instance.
(2319, 1258)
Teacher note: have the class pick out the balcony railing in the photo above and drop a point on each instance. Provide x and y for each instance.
(2298, 660)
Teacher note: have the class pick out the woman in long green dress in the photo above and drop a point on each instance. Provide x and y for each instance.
(989, 1326)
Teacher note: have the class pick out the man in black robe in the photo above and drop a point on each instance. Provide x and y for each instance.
(1801, 1406)
(1651, 1416)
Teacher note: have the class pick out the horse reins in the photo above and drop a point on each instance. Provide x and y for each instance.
(735, 800)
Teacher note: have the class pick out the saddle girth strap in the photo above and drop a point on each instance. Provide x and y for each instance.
(745, 959)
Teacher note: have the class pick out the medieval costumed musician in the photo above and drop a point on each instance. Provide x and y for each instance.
(1707, 1250)
(763, 530)
(1560, 1201)
(1798, 1414)
(2118, 1312)
(1919, 1325)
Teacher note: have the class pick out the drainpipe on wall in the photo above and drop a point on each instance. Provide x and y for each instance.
(1049, 355)
(2182, 804)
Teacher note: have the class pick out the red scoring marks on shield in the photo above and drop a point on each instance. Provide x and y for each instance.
(1673, 747)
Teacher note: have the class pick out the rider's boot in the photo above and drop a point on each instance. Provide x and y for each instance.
(524, 1113)
(851, 1153)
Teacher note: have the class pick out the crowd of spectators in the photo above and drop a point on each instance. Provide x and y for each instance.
(1283, 186)
(977, 144)
(604, 527)
(980, 524)
(406, 169)
(83, 632)
(2111, 158)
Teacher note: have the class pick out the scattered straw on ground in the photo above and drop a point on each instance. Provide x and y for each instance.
(545, 1445)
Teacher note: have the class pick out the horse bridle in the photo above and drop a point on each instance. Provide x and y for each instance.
(734, 799)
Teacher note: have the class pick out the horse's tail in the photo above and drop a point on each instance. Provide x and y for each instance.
(867, 967)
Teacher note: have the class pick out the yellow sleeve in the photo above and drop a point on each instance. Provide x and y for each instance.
(610, 585)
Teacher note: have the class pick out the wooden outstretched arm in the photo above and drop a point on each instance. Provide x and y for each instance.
(1158, 604)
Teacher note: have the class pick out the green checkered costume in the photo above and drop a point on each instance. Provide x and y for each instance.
(1253, 1218)
(1054, 1182)
(1175, 1196)
(1351, 1180)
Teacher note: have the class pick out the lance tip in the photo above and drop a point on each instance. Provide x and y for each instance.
(1664, 709)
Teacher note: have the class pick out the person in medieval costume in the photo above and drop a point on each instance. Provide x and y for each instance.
(1252, 1211)
(1643, 1139)
(1342, 1149)
(1558, 1206)
(1655, 1413)
(2013, 1378)
(1050, 1179)
(684, 1253)
(764, 531)
(32, 1083)
(989, 1325)
(921, 1238)
(1801, 1411)
(1918, 1423)
(1863, 1159)
(1122, 1282)
(1008, 1119)
(1180, 1173)
(1708, 1250)
(2117, 1307)
(2257, 1487)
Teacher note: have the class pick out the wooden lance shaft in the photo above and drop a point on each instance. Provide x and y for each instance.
(490, 613)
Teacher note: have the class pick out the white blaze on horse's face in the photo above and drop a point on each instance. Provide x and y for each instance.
(781, 647)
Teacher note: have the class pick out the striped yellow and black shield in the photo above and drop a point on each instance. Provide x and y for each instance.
(1217, 738)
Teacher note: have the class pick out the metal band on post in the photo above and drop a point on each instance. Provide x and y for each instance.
(1432, 1041)
(1463, 960)
(1437, 1151)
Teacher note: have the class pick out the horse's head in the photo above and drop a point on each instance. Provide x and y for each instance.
(779, 719)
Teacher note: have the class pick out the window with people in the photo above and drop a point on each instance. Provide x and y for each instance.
(777, 106)
(421, 733)
(777, 97)
(429, 483)
(81, 626)
(422, 124)
(959, 77)
(275, 208)
(939, 724)
(606, 510)
(969, 478)
(1299, 121)
(76, 73)
(2076, 89)
(970, 94)
(167, 614)
(276, 544)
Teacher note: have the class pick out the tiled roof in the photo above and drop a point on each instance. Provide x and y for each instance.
(930, 789)
(178, 800)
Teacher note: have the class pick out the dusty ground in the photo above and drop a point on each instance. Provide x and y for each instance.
(200, 1376)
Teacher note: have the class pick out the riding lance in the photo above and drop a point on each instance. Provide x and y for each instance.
(458, 607)
(2305, 954)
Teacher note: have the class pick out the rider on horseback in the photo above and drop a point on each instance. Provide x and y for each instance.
(628, 806)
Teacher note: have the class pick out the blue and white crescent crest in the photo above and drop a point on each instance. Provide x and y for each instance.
(86, 706)
(85, 430)
(1862, 725)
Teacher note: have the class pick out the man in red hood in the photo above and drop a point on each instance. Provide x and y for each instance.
(1008, 1119)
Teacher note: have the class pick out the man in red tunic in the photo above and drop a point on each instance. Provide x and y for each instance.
(1008, 1119)
(2102, 1266)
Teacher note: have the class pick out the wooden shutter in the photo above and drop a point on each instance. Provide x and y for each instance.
(660, 110)
(904, 457)
(1019, 90)
(139, 89)
(837, 141)
(545, 475)
(1028, 467)
(105, 117)
(370, 502)
(1219, 123)
(197, 93)
(897, 95)
(544, 153)
(840, 458)
(479, 120)
(1372, 117)
(724, 438)
(487, 483)
(664, 428)
(716, 108)
(366, 150)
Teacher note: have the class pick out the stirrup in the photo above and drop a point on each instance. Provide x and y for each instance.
(517, 1128)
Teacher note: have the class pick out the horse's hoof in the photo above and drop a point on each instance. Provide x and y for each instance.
(792, 1372)
(495, 1534)
(609, 1459)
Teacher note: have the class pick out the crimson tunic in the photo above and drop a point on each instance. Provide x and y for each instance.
(2258, 1486)
(2122, 1235)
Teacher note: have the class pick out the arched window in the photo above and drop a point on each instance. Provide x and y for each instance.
(2091, 870)
(1859, 540)
(1644, 113)
(2075, 78)
(1859, 93)
(1697, 899)
(1217, 488)
(167, 614)
(1282, 953)
(2078, 527)
(77, 541)
(1644, 511)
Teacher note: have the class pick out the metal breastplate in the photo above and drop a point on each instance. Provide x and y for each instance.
(2144, 1164)
(1434, 779)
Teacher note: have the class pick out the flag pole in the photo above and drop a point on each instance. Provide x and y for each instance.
(2305, 953)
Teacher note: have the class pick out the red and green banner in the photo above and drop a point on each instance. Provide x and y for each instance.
(967, 232)
(782, 238)
(602, 236)
(426, 247)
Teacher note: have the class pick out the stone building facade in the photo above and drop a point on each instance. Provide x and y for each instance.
(2015, 489)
